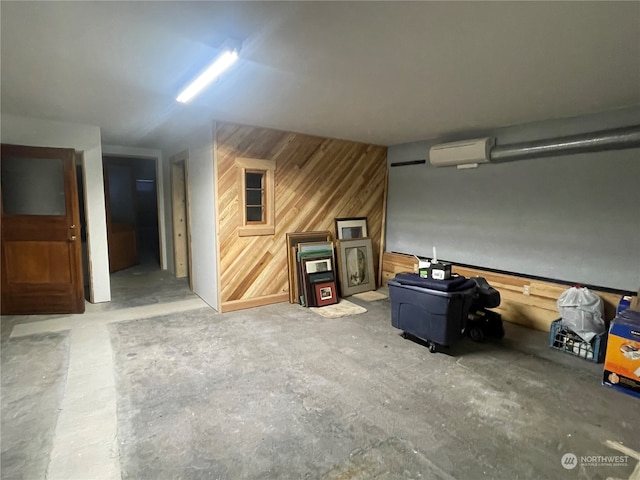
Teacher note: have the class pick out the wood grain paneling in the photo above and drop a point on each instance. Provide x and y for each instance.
(179, 209)
(536, 310)
(316, 180)
(38, 262)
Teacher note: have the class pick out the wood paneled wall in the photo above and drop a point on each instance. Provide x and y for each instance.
(316, 180)
(535, 309)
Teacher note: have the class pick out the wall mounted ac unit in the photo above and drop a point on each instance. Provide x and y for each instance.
(465, 154)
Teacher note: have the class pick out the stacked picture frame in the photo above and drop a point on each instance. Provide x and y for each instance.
(311, 262)
(317, 274)
(316, 279)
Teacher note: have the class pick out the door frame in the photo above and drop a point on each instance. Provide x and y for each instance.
(156, 156)
(180, 160)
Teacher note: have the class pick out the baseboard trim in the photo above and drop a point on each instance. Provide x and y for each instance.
(233, 305)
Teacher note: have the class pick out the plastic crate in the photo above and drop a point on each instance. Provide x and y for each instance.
(562, 338)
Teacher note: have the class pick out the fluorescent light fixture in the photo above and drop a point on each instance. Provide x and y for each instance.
(220, 64)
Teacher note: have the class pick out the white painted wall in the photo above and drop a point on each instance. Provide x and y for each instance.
(86, 139)
(156, 155)
(202, 213)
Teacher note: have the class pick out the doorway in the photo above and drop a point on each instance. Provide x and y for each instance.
(132, 213)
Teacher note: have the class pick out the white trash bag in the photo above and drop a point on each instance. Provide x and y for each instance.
(582, 311)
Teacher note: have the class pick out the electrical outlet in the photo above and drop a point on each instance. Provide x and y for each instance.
(526, 290)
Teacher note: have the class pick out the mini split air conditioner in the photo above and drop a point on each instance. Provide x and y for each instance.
(465, 154)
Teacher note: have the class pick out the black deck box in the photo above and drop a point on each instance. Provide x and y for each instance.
(432, 314)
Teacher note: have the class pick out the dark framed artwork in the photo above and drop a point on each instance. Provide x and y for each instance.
(348, 228)
(325, 294)
(293, 239)
(355, 266)
(311, 271)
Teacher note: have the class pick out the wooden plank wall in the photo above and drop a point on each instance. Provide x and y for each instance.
(179, 209)
(537, 309)
(316, 180)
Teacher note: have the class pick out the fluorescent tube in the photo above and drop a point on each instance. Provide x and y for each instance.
(223, 62)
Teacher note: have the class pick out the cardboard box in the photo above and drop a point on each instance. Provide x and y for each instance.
(625, 303)
(635, 302)
(622, 359)
(437, 271)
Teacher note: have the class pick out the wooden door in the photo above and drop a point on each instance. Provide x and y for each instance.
(40, 247)
(120, 193)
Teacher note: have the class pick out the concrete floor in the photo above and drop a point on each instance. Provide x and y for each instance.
(156, 385)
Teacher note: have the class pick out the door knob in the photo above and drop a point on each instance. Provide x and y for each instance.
(72, 238)
(72, 227)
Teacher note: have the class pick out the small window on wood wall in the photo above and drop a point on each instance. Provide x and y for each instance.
(257, 196)
(254, 195)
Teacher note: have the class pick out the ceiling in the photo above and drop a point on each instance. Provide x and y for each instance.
(378, 72)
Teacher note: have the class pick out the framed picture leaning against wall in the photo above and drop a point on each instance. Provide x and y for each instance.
(347, 228)
(355, 266)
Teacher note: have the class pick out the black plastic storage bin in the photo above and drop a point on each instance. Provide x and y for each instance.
(427, 310)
